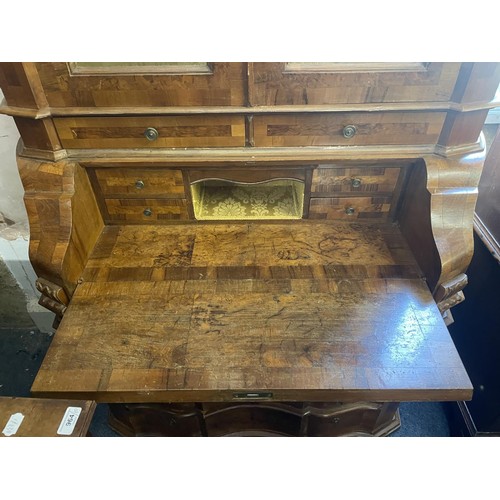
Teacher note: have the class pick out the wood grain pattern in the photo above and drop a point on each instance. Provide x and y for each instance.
(38, 134)
(225, 87)
(16, 86)
(367, 207)
(174, 132)
(192, 317)
(477, 82)
(331, 180)
(326, 129)
(270, 84)
(437, 215)
(64, 218)
(132, 210)
(42, 417)
(255, 419)
(248, 174)
(462, 128)
(155, 182)
(309, 249)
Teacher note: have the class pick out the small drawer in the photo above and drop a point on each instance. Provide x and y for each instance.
(140, 182)
(347, 129)
(146, 210)
(152, 132)
(350, 208)
(330, 181)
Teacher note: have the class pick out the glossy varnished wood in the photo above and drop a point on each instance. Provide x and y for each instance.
(350, 208)
(65, 221)
(272, 84)
(15, 83)
(42, 417)
(191, 315)
(173, 132)
(437, 214)
(333, 180)
(326, 129)
(145, 209)
(224, 87)
(255, 419)
(165, 309)
(140, 182)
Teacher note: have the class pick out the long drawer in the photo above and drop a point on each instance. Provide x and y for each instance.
(192, 131)
(348, 129)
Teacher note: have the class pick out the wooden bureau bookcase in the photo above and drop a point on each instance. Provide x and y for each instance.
(251, 248)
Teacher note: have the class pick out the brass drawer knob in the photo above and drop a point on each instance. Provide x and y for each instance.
(151, 134)
(356, 182)
(139, 184)
(349, 131)
(148, 212)
(350, 210)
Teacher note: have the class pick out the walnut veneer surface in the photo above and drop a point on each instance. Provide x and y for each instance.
(180, 314)
(341, 309)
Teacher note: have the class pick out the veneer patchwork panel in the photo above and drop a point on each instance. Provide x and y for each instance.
(152, 132)
(190, 298)
(350, 129)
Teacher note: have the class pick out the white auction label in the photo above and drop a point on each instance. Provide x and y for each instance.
(68, 422)
(13, 424)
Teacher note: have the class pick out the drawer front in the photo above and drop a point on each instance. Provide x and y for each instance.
(329, 181)
(348, 129)
(140, 182)
(309, 84)
(145, 210)
(350, 208)
(164, 132)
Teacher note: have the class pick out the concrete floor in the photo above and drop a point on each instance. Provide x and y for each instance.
(22, 345)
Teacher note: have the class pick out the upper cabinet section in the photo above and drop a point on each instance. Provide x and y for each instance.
(41, 90)
(118, 85)
(272, 84)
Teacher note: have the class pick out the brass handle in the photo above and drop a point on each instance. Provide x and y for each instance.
(350, 210)
(148, 212)
(139, 184)
(151, 134)
(349, 131)
(356, 182)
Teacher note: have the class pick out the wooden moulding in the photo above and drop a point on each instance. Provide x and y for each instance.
(65, 223)
(255, 419)
(176, 110)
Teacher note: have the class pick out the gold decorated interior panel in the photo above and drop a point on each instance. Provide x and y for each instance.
(215, 199)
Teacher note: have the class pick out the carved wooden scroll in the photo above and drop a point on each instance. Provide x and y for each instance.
(65, 223)
(437, 220)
